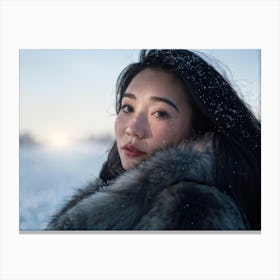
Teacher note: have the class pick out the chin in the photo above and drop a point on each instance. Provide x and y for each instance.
(130, 162)
(127, 166)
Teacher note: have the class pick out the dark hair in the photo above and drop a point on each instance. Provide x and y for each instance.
(216, 108)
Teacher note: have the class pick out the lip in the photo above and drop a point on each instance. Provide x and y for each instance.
(132, 151)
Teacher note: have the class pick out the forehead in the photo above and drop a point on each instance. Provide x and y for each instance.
(156, 81)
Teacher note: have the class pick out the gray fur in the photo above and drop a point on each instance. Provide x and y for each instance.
(173, 190)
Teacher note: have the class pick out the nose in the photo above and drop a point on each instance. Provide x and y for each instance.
(136, 127)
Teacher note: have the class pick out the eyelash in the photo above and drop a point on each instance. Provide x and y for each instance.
(128, 108)
(163, 114)
(158, 114)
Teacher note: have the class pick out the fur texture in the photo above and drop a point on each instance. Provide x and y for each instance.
(173, 190)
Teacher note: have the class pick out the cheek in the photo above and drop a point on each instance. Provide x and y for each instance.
(119, 127)
(169, 134)
(162, 135)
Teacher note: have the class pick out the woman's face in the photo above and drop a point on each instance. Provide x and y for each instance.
(154, 114)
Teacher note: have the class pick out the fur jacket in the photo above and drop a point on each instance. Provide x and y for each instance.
(172, 190)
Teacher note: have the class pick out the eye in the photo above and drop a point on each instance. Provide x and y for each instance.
(161, 115)
(127, 108)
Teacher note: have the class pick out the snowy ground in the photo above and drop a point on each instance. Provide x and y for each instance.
(47, 177)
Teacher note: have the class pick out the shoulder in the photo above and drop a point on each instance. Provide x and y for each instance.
(192, 206)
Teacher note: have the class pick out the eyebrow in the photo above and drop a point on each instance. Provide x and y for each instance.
(154, 98)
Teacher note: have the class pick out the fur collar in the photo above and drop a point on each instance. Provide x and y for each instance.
(173, 190)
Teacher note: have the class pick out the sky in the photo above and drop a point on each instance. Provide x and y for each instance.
(67, 95)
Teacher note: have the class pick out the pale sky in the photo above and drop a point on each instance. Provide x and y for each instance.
(73, 91)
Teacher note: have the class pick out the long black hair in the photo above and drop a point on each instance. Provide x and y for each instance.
(216, 108)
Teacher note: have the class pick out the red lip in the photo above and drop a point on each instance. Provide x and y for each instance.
(132, 151)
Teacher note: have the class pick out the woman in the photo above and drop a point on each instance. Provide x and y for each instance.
(186, 155)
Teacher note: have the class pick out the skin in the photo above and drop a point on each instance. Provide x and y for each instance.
(154, 114)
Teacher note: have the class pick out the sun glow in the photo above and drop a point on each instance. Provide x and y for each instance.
(59, 140)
